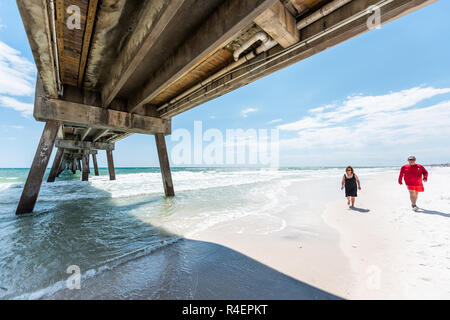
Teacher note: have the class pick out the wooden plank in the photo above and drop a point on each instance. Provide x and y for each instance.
(85, 133)
(60, 22)
(77, 151)
(92, 10)
(81, 145)
(94, 160)
(252, 71)
(130, 57)
(33, 184)
(56, 165)
(112, 173)
(96, 117)
(34, 14)
(230, 17)
(85, 160)
(100, 134)
(278, 22)
(164, 165)
(119, 137)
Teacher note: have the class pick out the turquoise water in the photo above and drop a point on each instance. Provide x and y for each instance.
(99, 224)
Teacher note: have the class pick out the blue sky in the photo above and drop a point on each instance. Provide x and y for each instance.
(372, 100)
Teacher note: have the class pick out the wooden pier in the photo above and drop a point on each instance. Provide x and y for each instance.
(108, 69)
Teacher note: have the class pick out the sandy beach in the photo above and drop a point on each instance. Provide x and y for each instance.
(379, 250)
(383, 250)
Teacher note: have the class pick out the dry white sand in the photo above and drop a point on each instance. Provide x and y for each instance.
(381, 250)
(395, 252)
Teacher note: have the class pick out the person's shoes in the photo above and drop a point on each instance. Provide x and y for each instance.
(414, 207)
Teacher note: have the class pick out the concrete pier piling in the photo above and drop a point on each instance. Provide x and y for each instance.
(41, 158)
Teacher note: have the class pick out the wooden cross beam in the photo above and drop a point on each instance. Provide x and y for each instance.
(79, 152)
(82, 145)
(97, 117)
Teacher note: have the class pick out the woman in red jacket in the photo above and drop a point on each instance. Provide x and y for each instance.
(413, 173)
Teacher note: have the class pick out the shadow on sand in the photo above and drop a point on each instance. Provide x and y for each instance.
(85, 229)
(434, 212)
(360, 209)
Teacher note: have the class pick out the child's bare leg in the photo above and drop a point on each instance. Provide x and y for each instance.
(348, 200)
(353, 201)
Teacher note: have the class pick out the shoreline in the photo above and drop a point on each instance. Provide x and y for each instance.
(304, 243)
(305, 249)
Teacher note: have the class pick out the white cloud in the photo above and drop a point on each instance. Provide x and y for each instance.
(360, 121)
(245, 112)
(17, 74)
(25, 108)
(305, 123)
(275, 121)
(320, 109)
(17, 127)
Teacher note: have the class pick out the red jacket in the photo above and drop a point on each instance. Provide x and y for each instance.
(413, 174)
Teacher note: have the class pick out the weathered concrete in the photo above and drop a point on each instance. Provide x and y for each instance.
(33, 184)
(100, 134)
(86, 133)
(95, 117)
(252, 71)
(278, 22)
(85, 160)
(94, 160)
(154, 18)
(112, 172)
(55, 171)
(164, 165)
(82, 145)
(107, 32)
(36, 22)
(231, 17)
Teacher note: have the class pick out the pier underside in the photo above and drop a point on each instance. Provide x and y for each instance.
(108, 69)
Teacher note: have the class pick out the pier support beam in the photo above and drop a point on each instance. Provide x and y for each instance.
(33, 184)
(85, 160)
(112, 173)
(94, 160)
(164, 164)
(55, 171)
(74, 166)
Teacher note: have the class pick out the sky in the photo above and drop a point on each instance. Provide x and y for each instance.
(370, 101)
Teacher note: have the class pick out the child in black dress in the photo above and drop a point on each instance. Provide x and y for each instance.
(351, 182)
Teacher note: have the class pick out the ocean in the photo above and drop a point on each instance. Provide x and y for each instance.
(101, 224)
